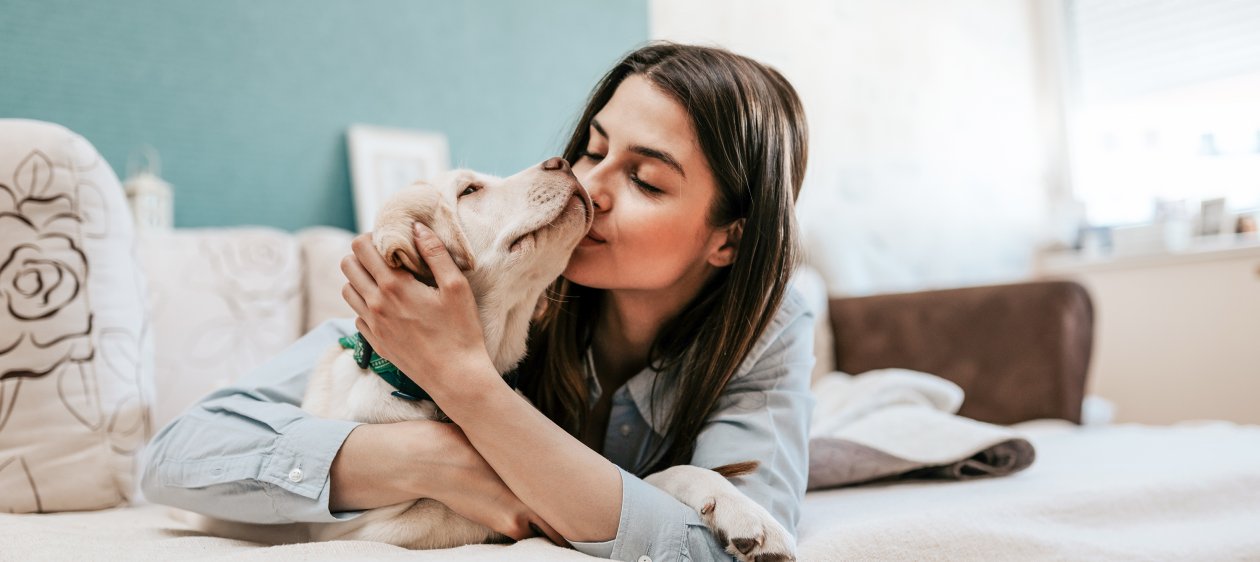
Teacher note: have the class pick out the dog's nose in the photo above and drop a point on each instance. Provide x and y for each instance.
(556, 163)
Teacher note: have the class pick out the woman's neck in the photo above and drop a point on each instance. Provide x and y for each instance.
(630, 320)
(627, 326)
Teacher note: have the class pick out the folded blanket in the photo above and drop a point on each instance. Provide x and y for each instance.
(897, 423)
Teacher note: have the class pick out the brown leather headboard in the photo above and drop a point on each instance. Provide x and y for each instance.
(1019, 351)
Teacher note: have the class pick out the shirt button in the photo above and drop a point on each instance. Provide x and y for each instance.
(295, 475)
(625, 432)
(645, 558)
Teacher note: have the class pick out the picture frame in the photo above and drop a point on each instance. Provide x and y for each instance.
(1212, 217)
(384, 160)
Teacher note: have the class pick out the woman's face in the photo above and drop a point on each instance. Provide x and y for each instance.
(652, 190)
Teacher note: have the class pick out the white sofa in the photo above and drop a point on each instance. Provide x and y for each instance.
(221, 301)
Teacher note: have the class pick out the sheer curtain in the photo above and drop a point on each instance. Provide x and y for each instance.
(934, 129)
(1165, 106)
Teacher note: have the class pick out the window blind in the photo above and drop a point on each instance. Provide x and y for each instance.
(1129, 48)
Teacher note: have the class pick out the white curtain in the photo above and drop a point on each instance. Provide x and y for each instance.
(934, 130)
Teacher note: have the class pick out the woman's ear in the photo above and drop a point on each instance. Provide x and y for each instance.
(725, 242)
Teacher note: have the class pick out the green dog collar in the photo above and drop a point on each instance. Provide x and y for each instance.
(405, 388)
(368, 359)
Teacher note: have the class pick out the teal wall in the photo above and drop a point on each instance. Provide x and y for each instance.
(248, 101)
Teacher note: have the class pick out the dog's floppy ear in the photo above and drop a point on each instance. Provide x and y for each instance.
(395, 237)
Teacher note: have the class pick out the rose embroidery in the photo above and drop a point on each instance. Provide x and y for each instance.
(44, 315)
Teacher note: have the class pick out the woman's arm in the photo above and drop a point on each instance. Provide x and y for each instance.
(584, 496)
(436, 337)
(248, 452)
(762, 415)
(570, 486)
(369, 471)
(437, 462)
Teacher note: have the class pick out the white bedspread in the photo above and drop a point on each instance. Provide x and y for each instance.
(1125, 492)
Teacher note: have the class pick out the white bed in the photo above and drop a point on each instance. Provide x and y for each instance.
(1122, 492)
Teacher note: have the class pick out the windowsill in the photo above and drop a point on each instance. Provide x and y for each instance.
(1200, 250)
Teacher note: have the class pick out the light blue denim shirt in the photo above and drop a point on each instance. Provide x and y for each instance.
(249, 453)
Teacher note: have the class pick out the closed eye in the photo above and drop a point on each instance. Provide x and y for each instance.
(645, 186)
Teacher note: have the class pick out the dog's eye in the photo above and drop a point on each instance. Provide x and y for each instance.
(471, 189)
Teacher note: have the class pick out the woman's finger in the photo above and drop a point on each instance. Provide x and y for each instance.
(369, 257)
(361, 325)
(352, 298)
(358, 277)
(434, 253)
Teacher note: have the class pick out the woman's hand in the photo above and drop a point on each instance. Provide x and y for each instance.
(475, 491)
(387, 464)
(432, 334)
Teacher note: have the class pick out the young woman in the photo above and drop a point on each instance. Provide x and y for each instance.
(671, 338)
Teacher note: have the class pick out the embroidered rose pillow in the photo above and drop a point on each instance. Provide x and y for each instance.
(75, 352)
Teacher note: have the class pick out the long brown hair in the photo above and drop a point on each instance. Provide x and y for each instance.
(751, 129)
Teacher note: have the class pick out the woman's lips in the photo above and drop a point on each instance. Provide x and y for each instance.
(592, 238)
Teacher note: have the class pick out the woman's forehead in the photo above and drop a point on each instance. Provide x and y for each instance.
(640, 114)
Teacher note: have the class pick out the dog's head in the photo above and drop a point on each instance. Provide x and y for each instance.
(511, 234)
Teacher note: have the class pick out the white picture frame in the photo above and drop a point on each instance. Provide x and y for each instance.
(384, 160)
(1212, 218)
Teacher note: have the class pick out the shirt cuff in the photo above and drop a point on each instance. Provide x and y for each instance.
(596, 549)
(300, 463)
(653, 525)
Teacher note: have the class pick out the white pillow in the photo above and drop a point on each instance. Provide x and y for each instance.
(75, 351)
(224, 300)
(323, 247)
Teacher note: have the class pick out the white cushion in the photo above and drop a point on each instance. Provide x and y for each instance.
(75, 352)
(323, 248)
(225, 300)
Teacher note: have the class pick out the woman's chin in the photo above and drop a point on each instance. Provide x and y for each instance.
(579, 271)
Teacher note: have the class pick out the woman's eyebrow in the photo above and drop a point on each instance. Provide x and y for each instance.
(661, 155)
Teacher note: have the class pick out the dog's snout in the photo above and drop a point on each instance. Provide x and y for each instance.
(556, 163)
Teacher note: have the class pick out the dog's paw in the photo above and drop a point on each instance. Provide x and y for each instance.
(747, 530)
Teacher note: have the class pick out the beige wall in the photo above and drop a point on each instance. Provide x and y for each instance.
(929, 120)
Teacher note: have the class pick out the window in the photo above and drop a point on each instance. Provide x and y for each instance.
(1165, 105)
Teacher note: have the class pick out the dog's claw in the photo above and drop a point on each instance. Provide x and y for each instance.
(745, 545)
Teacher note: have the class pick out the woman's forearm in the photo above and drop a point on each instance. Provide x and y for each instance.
(370, 471)
(570, 486)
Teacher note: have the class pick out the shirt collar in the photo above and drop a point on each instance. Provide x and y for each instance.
(640, 389)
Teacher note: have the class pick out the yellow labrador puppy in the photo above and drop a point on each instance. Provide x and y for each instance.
(512, 237)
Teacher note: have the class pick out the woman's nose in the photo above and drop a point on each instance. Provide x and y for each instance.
(599, 200)
(593, 182)
(599, 196)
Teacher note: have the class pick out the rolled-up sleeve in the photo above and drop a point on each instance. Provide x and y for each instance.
(248, 452)
(762, 415)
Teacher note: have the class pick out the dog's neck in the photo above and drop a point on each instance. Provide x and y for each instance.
(505, 317)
